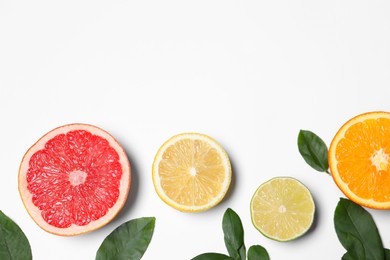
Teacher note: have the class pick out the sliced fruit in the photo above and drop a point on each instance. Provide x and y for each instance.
(74, 179)
(191, 172)
(282, 209)
(359, 159)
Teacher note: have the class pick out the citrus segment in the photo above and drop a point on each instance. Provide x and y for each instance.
(191, 172)
(74, 179)
(282, 209)
(359, 159)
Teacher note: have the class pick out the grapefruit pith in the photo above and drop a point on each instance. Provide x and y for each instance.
(74, 179)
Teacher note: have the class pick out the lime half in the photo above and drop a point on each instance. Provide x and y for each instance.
(282, 209)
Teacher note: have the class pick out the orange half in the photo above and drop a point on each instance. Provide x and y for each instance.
(359, 158)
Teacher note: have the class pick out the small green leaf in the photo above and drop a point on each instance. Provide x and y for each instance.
(356, 249)
(212, 256)
(313, 150)
(387, 254)
(357, 232)
(242, 252)
(129, 241)
(233, 235)
(257, 253)
(14, 244)
(349, 256)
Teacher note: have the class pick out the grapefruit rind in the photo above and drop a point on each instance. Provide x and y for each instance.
(156, 178)
(273, 237)
(370, 203)
(73, 230)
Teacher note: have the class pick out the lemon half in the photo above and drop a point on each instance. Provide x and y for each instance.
(191, 172)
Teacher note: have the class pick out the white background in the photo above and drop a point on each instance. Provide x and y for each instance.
(250, 74)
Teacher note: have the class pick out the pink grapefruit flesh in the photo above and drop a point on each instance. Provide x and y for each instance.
(74, 179)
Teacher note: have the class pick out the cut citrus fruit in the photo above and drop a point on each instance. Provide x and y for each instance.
(74, 179)
(282, 209)
(359, 159)
(191, 172)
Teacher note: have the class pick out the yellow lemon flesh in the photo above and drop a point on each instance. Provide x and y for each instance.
(191, 172)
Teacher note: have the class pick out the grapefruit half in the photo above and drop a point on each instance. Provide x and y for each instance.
(74, 179)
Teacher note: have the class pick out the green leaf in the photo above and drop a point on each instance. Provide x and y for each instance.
(356, 250)
(387, 254)
(357, 231)
(14, 244)
(233, 235)
(242, 252)
(129, 241)
(348, 256)
(212, 256)
(313, 150)
(257, 253)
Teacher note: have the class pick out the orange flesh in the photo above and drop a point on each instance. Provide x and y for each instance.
(74, 179)
(363, 159)
(193, 167)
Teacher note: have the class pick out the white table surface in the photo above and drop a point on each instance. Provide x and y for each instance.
(250, 74)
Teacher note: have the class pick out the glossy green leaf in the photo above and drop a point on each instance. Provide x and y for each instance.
(357, 232)
(313, 150)
(14, 244)
(356, 249)
(349, 256)
(212, 256)
(387, 254)
(242, 252)
(257, 253)
(129, 241)
(233, 235)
